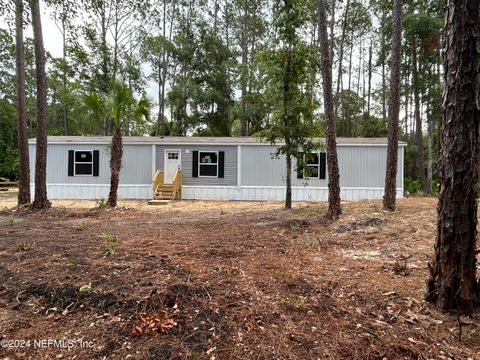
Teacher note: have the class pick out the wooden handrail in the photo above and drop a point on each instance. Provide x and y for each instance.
(177, 185)
(157, 180)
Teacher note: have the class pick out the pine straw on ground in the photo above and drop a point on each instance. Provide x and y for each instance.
(225, 280)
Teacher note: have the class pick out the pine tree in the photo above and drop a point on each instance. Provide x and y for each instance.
(41, 199)
(24, 178)
(389, 199)
(334, 207)
(453, 285)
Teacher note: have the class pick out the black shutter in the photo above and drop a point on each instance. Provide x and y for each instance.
(195, 164)
(71, 156)
(96, 155)
(221, 164)
(323, 162)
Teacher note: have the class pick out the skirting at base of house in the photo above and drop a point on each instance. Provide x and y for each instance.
(96, 191)
(299, 193)
(134, 191)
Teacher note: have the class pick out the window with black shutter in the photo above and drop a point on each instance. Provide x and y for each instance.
(83, 163)
(314, 166)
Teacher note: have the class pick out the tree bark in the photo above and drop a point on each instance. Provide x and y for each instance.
(430, 144)
(287, 123)
(340, 56)
(452, 285)
(64, 78)
(115, 166)
(332, 31)
(369, 93)
(244, 72)
(159, 130)
(347, 116)
(24, 175)
(288, 193)
(389, 199)
(418, 121)
(334, 208)
(407, 94)
(41, 200)
(384, 81)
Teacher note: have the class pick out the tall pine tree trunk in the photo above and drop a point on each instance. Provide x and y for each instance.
(453, 285)
(369, 93)
(407, 94)
(244, 72)
(64, 79)
(24, 181)
(334, 208)
(340, 56)
(389, 199)
(420, 160)
(332, 30)
(115, 166)
(288, 193)
(384, 76)
(159, 128)
(287, 121)
(41, 200)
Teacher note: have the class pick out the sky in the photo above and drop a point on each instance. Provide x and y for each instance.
(52, 39)
(51, 34)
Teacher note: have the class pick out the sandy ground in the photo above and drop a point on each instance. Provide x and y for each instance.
(223, 280)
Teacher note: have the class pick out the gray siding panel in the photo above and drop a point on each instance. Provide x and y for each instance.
(360, 166)
(230, 175)
(260, 167)
(136, 164)
(365, 166)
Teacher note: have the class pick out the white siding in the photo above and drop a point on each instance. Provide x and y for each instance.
(96, 191)
(278, 193)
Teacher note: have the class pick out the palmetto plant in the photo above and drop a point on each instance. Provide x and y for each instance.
(117, 107)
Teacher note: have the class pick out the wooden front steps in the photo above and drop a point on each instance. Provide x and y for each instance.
(166, 192)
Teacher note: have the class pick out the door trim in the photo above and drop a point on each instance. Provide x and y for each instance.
(179, 151)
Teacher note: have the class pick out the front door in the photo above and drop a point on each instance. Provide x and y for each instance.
(172, 164)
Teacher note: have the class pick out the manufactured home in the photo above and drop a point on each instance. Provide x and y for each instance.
(214, 168)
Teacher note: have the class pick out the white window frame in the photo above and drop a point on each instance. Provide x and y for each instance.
(313, 165)
(75, 162)
(207, 164)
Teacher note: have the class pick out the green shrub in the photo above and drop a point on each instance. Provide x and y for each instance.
(412, 186)
(111, 243)
(9, 163)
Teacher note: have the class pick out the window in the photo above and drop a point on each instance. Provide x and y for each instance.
(173, 155)
(83, 164)
(208, 164)
(312, 166)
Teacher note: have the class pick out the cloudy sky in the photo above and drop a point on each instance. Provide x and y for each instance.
(52, 39)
